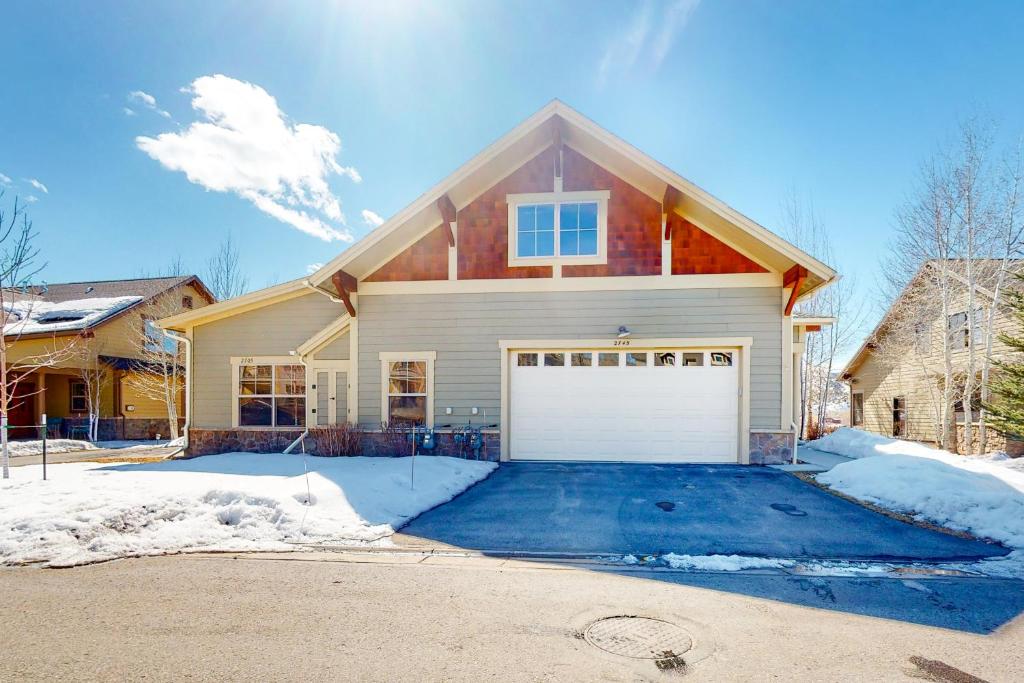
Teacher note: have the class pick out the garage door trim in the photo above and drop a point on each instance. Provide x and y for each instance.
(740, 344)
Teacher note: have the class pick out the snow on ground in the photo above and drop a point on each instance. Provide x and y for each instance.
(129, 445)
(35, 447)
(722, 563)
(88, 512)
(978, 495)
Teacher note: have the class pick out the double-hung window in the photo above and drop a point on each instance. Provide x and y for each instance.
(558, 228)
(407, 382)
(271, 395)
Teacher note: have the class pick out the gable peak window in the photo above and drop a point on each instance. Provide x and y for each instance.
(558, 228)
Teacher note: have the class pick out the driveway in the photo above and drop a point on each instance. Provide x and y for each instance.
(584, 508)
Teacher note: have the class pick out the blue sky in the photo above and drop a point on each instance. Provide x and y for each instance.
(836, 101)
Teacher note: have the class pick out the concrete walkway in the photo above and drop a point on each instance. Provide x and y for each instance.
(96, 455)
(820, 459)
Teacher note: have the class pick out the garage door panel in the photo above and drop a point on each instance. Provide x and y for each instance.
(647, 413)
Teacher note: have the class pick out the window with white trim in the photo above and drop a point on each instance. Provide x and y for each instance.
(407, 387)
(271, 395)
(558, 227)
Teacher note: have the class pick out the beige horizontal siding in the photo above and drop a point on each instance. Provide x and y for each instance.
(269, 331)
(464, 330)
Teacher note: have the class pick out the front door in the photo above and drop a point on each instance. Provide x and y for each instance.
(23, 411)
(330, 393)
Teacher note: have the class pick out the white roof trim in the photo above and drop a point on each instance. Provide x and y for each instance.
(572, 117)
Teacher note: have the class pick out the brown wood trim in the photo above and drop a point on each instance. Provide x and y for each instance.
(448, 214)
(668, 204)
(345, 283)
(795, 276)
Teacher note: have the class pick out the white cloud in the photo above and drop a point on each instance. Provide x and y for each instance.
(649, 37)
(313, 267)
(31, 199)
(246, 145)
(5, 180)
(147, 101)
(128, 111)
(38, 185)
(372, 219)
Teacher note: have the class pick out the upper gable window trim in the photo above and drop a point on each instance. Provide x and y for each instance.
(556, 200)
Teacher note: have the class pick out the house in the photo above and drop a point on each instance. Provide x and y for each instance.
(897, 376)
(59, 337)
(561, 287)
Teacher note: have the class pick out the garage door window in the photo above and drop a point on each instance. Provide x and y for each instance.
(721, 358)
(554, 360)
(693, 359)
(636, 359)
(608, 360)
(582, 360)
(526, 360)
(664, 359)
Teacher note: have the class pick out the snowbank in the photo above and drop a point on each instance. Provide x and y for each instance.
(87, 512)
(722, 563)
(28, 316)
(35, 447)
(856, 443)
(978, 495)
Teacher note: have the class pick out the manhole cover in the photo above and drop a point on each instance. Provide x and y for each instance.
(638, 637)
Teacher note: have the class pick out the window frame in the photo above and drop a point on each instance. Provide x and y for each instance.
(72, 383)
(600, 197)
(856, 415)
(237, 362)
(388, 357)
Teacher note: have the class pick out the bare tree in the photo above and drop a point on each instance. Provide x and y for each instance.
(17, 268)
(817, 382)
(96, 378)
(960, 229)
(1008, 240)
(224, 277)
(157, 370)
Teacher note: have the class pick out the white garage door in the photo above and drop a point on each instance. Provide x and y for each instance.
(650, 406)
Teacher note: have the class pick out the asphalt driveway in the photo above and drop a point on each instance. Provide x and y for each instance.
(687, 509)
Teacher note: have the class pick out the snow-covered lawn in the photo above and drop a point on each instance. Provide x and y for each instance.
(87, 512)
(983, 496)
(35, 447)
(130, 445)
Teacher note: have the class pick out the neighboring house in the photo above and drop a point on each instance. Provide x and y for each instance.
(561, 286)
(92, 326)
(896, 377)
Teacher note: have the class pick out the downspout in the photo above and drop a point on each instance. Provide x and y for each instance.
(796, 438)
(323, 291)
(188, 386)
(305, 432)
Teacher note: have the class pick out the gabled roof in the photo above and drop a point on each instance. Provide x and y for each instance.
(146, 287)
(522, 143)
(74, 307)
(866, 345)
(527, 140)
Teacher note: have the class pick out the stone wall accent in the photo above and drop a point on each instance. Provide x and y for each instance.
(374, 444)
(771, 448)
(118, 428)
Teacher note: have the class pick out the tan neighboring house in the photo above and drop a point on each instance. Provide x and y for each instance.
(563, 290)
(92, 325)
(896, 377)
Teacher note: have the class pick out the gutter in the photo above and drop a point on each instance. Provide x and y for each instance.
(188, 385)
(330, 296)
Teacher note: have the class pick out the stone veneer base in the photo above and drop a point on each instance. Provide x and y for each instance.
(375, 444)
(771, 448)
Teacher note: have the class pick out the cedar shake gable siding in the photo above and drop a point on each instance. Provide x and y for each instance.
(634, 233)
